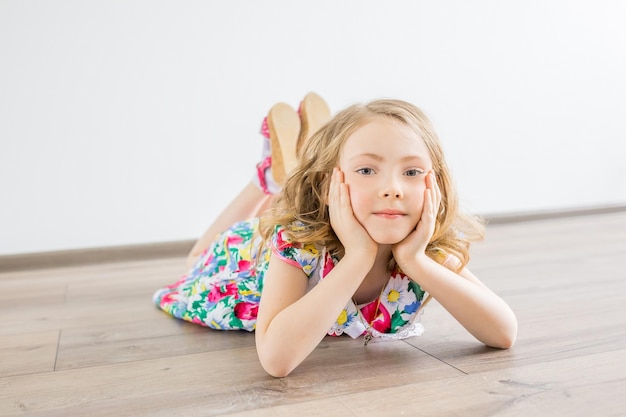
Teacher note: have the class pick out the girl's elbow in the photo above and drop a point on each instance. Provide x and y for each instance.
(272, 361)
(506, 338)
(275, 366)
(504, 342)
(278, 372)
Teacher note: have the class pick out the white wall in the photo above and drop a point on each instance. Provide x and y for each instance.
(135, 121)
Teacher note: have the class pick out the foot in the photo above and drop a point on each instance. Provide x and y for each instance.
(314, 113)
(280, 129)
(284, 128)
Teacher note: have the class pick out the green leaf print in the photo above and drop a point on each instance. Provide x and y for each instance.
(199, 301)
(419, 292)
(397, 321)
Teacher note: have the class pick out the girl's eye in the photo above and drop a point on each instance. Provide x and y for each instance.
(365, 171)
(414, 172)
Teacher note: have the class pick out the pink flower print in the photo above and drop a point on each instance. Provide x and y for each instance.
(197, 320)
(169, 298)
(382, 321)
(328, 265)
(243, 265)
(281, 243)
(219, 292)
(246, 311)
(233, 240)
(178, 283)
(208, 259)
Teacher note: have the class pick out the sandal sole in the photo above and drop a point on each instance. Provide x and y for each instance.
(284, 126)
(314, 113)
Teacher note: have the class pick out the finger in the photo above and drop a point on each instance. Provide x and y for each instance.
(334, 187)
(333, 197)
(343, 208)
(429, 204)
(434, 186)
(343, 190)
(437, 190)
(343, 203)
(338, 186)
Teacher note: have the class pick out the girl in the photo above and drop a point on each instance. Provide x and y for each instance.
(364, 232)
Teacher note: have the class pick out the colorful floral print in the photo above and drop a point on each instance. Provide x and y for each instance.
(223, 289)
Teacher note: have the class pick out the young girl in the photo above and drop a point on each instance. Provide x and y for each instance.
(365, 230)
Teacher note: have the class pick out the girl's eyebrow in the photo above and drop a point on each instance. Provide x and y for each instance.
(379, 158)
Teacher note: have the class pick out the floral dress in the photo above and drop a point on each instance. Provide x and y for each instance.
(223, 289)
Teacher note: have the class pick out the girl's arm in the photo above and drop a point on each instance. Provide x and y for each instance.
(471, 303)
(484, 314)
(291, 322)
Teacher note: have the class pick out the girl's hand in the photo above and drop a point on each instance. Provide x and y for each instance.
(350, 232)
(412, 247)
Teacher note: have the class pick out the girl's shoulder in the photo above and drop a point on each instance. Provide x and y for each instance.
(303, 255)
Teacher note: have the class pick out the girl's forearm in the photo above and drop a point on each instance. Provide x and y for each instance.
(484, 314)
(297, 330)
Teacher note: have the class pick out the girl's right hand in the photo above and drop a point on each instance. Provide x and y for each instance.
(350, 232)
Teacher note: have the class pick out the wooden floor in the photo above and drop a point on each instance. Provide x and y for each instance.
(87, 341)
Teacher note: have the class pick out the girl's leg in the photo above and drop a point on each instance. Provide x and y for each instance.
(284, 131)
(280, 129)
(246, 205)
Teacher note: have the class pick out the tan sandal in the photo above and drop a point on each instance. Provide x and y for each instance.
(314, 113)
(284, 129)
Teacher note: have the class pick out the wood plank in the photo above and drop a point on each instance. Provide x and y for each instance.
(83, 296)
(136, 341)
(116, 353)
(570, 241)
(95, 281)
(218, 382)
(35, 318)
(568, 387)
(28, 353)
(548, 331)
(566, 306)
(15, 293)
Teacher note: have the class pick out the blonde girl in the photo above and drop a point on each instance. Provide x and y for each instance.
(365, 230)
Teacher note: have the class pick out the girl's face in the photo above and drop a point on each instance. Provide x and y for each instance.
(385, 164)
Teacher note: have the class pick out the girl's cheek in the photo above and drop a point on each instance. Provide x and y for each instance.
(358, 203)
(419, 198)
(354, 197)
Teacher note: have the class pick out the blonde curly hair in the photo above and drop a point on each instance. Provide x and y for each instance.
(301, 205)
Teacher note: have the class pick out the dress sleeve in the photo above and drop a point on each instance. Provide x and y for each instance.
(303, 256)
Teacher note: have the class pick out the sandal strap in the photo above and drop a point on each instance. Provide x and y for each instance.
(265, 129)
(261, 167)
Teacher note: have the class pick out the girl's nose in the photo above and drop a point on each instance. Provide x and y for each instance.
(391, 190)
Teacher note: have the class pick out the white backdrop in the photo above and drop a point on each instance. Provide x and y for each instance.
(135, 121)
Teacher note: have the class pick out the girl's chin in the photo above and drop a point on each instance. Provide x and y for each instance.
(389, 233)
(388, 238)
(388, 242)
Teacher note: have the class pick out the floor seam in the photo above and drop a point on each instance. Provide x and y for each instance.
(56, 355)
(439, 359)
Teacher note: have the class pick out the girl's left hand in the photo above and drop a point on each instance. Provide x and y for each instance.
(414, 245)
